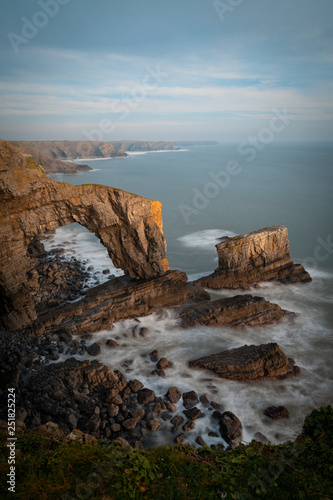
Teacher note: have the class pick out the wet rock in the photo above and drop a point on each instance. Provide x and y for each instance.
(94, 349)
(217, 414)
(153, 424)
(166, 416)
(200, 441)
(117, 400)
(189, 426)
(204, 401)
(143, 331)
(249, 363)
(93, 424)
(129, 424)
(170, 406)
(159, 373)
(111, 343)
(145, 396)
(261, 438)
(113, 410)
(138, 413)
(180, 439)
(240, 310)
(163, 363)
(154, 356)
(115, 428)
(157, 408)
(231, 428)
(193, 413)
(177, 420)
(190, 399)
(196, 293)
(276, 412)
(216, 406)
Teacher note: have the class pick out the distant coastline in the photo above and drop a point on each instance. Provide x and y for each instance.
(64, 157)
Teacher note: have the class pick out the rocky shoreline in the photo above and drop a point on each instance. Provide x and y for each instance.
(48, 314)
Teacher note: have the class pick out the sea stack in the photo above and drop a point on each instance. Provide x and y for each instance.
(258, 256)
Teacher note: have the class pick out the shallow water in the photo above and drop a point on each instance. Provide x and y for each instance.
(288, 185)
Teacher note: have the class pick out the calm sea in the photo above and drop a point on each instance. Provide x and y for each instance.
(208, 192)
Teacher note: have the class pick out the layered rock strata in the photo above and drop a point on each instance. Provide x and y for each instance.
(129, 226)
(117, 299)
(241, 310)
(249, 363)
(258, 256)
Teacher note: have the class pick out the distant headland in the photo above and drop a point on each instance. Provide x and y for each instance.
(53, 155)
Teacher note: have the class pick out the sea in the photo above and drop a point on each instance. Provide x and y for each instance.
(208, 192)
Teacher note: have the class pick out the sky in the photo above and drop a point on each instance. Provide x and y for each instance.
(165, 70)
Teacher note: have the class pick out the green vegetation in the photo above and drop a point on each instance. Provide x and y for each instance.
(31, 163)
(53, 469)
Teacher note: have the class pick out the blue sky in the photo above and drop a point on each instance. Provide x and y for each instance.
(157, 70)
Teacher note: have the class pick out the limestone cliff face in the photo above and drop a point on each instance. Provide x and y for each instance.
(129, 226)
(258, 256)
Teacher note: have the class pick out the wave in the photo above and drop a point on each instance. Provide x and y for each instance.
(205, 240)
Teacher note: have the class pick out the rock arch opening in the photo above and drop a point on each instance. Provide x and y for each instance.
(67, 262)
(129, 226)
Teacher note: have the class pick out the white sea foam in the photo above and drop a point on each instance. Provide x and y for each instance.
(246, 400)
(205, 240)
(78, 242)
(137, 153)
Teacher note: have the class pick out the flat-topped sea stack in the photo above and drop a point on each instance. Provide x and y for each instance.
(241, 310)
(249, 362)
(258, 256)
(129, 226)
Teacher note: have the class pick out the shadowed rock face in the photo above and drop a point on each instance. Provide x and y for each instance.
(129, 226)
(258, 256)
(249, 362)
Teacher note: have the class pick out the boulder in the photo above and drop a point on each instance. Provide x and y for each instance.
(94, 349)
(190, 399)
(249, 363)
(276, 412)
(231, 428)
(173, 395)
(146, 396)
(163, 363)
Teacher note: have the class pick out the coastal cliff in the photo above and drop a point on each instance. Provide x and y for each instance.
(258, 256)
(52, 155)
(129, 226)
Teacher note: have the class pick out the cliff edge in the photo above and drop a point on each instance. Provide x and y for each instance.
(129, 226)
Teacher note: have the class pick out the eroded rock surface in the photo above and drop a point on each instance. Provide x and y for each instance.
(249, 363)
(258, 256)
(129, 226)
(240, 310)
(112, 301)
